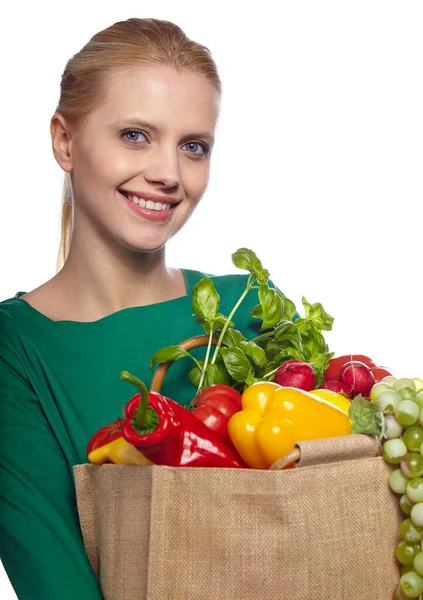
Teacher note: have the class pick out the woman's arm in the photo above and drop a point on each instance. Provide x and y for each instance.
(40, 540)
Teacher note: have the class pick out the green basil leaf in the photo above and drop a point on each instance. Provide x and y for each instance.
(250, 379)
(365, 416)
(245, 259)
(194, 375)
(237, 364)
(170, 353)
(233, 337)
(256, 353)
(319, 374)
(216, 373)
(216, 323)
(317, 314)
(273, 348)
(289, 307)
(271, 305)
(321, 359)
(320, 362)
(312, 338)
(257, 312)
(205, 299)
(287, 354)
(287, 331)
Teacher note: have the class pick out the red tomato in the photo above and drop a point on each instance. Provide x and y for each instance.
(336, 364)
(214, 419)
(223, 397)
(215, 405)
(379, 373)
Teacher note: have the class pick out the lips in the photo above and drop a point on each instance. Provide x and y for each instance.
(149, 214)
(151, 197)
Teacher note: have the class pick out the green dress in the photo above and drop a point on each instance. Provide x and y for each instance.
(59, 383)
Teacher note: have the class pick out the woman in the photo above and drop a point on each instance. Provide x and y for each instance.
(133, 131)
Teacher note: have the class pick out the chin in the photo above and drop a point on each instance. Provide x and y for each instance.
(146, 245)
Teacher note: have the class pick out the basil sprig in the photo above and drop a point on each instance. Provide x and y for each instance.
(239, 362)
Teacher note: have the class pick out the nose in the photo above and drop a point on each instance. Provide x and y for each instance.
(163, 167)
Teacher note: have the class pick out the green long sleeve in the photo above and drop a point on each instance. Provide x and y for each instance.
(40, 540)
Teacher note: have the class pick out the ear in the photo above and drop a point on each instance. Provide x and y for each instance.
(61, 141)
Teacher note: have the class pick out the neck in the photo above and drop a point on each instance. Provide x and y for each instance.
(104, 280)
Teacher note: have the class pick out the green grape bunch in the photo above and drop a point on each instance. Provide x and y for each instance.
(402, 446)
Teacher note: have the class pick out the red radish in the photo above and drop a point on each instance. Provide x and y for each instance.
(358, 377)
(297, 374)
(335, 386)
(335, 365)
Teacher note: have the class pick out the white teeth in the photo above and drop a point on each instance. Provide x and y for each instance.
(149, 203)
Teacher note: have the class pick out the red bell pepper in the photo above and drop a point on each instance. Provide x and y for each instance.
(380, 373)
(215, 405)
(169, 434)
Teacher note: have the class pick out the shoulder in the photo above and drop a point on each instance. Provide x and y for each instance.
(230, 281)
(12, 348)
(223, 282)
(10, 309)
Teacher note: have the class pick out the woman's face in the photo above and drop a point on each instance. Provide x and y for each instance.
(141, 162)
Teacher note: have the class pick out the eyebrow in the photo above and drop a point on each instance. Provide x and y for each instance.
(138, 123)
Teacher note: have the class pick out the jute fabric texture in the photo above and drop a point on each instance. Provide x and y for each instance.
(326, 530)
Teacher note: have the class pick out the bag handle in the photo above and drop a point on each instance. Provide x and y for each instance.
(329, 450)
(189, 344)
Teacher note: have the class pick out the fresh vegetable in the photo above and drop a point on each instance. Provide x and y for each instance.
(338, 400)
(335, 386)
(109, 446)
(106, 434)
(274, 418)
(239, 362)
(215, 405)
(119, 452)
(357, 377)
(335, 365)
(169, 434)
(379, 373)
(297, 374)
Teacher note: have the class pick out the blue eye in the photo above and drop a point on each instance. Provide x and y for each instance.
(131, 135)
(203, 147)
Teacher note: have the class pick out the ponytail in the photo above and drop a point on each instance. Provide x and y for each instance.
(65, 223)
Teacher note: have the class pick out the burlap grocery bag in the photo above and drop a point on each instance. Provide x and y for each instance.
(325, 530)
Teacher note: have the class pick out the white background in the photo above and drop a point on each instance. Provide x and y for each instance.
(317, 165)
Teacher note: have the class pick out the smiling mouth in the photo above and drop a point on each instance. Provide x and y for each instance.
(149, 204)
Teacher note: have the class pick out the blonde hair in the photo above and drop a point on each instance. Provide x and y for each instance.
(124, 44)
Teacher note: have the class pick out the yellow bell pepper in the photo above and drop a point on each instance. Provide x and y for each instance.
(119, 452)
(334, 398)
(274, 418)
